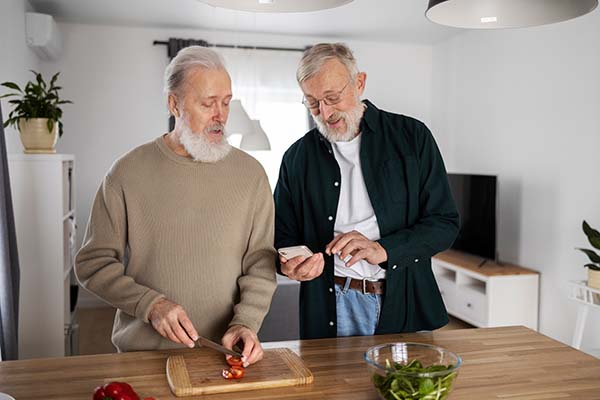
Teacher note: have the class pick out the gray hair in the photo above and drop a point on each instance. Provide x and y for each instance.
(188, 58)
(314, 58)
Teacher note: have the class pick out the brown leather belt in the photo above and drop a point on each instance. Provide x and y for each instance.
(362, 285)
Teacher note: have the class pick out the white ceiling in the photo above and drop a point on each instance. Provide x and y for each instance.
(381, 20)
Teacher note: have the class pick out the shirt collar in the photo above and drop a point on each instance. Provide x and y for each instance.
(370, 121)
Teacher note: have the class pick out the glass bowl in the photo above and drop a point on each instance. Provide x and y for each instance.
(412, 371)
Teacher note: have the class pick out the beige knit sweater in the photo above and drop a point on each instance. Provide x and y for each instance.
(199, 234)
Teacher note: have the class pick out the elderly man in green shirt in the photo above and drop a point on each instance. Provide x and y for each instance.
(367, 192)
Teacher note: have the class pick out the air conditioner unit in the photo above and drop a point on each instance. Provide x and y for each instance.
(42, 35)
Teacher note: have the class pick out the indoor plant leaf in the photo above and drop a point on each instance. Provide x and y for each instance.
(595, 258)
(592, 234)
(595, 267)
(36, 101)
(12, 85)
(50, 125)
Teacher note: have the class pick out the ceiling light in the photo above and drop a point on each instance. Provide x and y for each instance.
(505, 13)
(238, 121)
(277, 5)
(258, 140)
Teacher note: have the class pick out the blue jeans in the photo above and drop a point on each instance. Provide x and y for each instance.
(357, 313)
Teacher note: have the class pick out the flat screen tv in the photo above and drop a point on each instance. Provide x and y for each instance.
(475, 197)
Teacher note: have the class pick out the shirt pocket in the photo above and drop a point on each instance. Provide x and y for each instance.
(395, 180)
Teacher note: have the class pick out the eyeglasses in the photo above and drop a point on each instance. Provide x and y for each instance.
(329, 100)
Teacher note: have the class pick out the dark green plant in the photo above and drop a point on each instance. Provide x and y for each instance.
(37, 100)
(594, 239)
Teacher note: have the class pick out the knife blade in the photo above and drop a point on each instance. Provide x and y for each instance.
(215, 346)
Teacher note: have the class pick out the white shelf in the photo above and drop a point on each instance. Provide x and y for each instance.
(44, 211)
(487, 296)
(582, 293)
(68, 215)
(40, 157)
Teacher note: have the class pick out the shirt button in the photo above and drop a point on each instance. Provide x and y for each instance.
(416, 260)
(331, 323)
(330, 218)
(394, 266)
(330, 151)
(336, 184)
(330, 290)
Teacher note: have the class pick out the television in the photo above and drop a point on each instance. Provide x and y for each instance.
(475, 198)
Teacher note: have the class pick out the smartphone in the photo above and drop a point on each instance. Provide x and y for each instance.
(294, 251)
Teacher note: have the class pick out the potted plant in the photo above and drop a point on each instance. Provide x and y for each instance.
(594, 265)
(36, 113)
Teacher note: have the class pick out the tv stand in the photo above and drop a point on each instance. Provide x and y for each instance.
(486, 294)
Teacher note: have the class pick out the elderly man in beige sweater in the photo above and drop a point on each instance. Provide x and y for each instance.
(180, 236)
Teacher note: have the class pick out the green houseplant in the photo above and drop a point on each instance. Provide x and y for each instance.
(594, 265)
(36, 113)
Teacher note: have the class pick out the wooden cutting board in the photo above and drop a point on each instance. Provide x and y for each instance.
(198, 372)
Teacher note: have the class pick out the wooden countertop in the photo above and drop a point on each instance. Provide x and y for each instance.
(498, 363)
(490, 268)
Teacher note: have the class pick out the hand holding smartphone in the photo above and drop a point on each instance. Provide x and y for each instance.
(294, 251)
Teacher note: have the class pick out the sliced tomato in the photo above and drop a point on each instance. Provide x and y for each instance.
(233, 373)
(237, 372)
(227, 374)
(235, 361)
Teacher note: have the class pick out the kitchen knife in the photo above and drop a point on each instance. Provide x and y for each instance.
(215, 346)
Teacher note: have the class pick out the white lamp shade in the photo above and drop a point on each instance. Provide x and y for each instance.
(493, 14)
(277, 5)
(238, 120)
(257, 140)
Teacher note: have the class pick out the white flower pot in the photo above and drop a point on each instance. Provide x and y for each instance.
(35, 136)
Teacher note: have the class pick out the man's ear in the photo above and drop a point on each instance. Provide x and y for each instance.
(361, 81)
(172, 103)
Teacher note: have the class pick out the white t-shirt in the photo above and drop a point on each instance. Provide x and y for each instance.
(354, 211)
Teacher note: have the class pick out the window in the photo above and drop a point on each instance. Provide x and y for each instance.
(265, 82)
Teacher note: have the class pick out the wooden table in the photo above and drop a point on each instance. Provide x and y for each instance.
(498, 363)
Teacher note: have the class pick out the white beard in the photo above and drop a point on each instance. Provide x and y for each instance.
(198, 145)
(352, 119)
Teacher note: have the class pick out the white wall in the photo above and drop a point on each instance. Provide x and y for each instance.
(525, 104)
(16, 58)
(114, 76)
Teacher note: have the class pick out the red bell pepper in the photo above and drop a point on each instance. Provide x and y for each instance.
(115, 391)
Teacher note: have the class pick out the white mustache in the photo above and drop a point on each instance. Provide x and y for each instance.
(217, 127)
(336, 117)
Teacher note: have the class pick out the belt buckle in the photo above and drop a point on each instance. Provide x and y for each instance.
(364, 286)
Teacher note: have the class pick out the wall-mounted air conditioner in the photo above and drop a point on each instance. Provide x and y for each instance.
(42, 35)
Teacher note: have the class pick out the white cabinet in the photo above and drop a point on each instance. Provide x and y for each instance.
(44, 208)
(489, 295)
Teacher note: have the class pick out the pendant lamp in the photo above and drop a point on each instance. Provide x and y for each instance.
(494, 14)
(257, 140)
(238, 122)
(277, 5)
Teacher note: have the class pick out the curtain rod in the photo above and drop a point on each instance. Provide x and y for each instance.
(231, 46)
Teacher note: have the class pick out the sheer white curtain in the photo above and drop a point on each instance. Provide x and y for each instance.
(265, 82)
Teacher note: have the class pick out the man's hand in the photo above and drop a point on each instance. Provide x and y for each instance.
(355, 244)
(303, 268)
(252, 350)
(170, 320)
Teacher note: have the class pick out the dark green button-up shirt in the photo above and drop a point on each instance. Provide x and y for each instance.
(407, 184)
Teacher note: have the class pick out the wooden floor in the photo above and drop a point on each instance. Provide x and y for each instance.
(95, 327)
